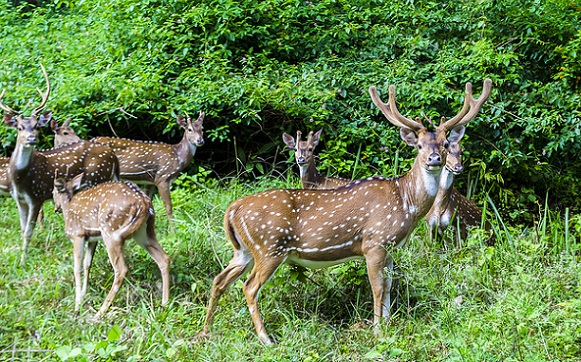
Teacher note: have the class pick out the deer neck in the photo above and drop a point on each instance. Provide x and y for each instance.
(185, 151)
(418, 189)
(309, 175)
(22, 157)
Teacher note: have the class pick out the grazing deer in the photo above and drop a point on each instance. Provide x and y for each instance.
(364, 219)
(31, 172)
(157, 163)
(449, 202)
(304, 156)
(63, 134)
(114, 212)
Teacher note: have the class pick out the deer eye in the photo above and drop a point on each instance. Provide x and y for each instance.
(420, 146)
(446, 144)
(66, 133)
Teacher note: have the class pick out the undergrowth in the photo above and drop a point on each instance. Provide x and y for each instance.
(517, 299)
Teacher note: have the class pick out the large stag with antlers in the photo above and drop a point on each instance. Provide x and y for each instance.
(311, 178)
(114, 212)
(31, 172)
(319, 228)
(148, 163)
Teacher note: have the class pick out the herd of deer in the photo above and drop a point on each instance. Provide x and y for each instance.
(327, 222)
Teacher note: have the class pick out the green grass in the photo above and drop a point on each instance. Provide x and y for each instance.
(518, 300)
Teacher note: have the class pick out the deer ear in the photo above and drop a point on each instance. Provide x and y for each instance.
(289, 140)
(409, 136)
(77, 182)
(54, 126)
(316, 137)
(44, 118)
(182, 122)
(10, 120)
(456, 134)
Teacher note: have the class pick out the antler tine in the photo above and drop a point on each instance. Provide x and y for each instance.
(66, 122)
(471, 106)
(43, 95)
(390, 110)
(5, 107)
(299, 133)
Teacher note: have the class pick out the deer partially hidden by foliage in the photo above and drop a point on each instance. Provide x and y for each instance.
(311, 178)
(149, 163)
(364, 219)
(113, 212)
(31, 172)
(450, 205)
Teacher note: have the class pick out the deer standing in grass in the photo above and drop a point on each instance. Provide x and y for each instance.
(449, 202)
(149, 163)
(304, 156)
(364, 219)
(31, 172)
(113, 212)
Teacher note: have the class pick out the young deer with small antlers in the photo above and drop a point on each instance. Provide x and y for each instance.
(31, 172)
(320, 228)
(450, 204)
(157, 163)
(304, 156)
(113, 212)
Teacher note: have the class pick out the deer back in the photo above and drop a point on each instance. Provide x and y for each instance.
(115, 208)
(143, 161)
(98, 162)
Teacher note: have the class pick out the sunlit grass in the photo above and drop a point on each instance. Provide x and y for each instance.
(515, 300)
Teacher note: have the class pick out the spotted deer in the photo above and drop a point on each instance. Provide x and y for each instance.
(31, 172)
(157, 163)
(113, 212)
(450, 204)
(63, 134)
(364, 219)
(311, 178)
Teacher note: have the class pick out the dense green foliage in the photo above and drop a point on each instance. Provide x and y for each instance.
(518, 300)
(260, 68)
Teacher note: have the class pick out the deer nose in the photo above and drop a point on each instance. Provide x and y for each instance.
(301, 160)
(434, 159)
(458, 168)
(200, 141)
(31, 139)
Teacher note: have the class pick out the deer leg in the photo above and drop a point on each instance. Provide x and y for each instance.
(78, 245)
(115, 251)
(145, 237)
(30, 217)
(164, 192)
(89, 253)
(241, 262)
(260, 274)
(376, 261)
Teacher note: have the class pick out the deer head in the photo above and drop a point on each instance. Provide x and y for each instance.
(194, 131)
(304, 150)
(63, 134)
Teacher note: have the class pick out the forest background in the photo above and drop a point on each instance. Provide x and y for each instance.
(260, 69)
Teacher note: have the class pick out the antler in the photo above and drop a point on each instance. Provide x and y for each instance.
(5, 107)
(43, 95)
(471, 106)
(390, 110)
